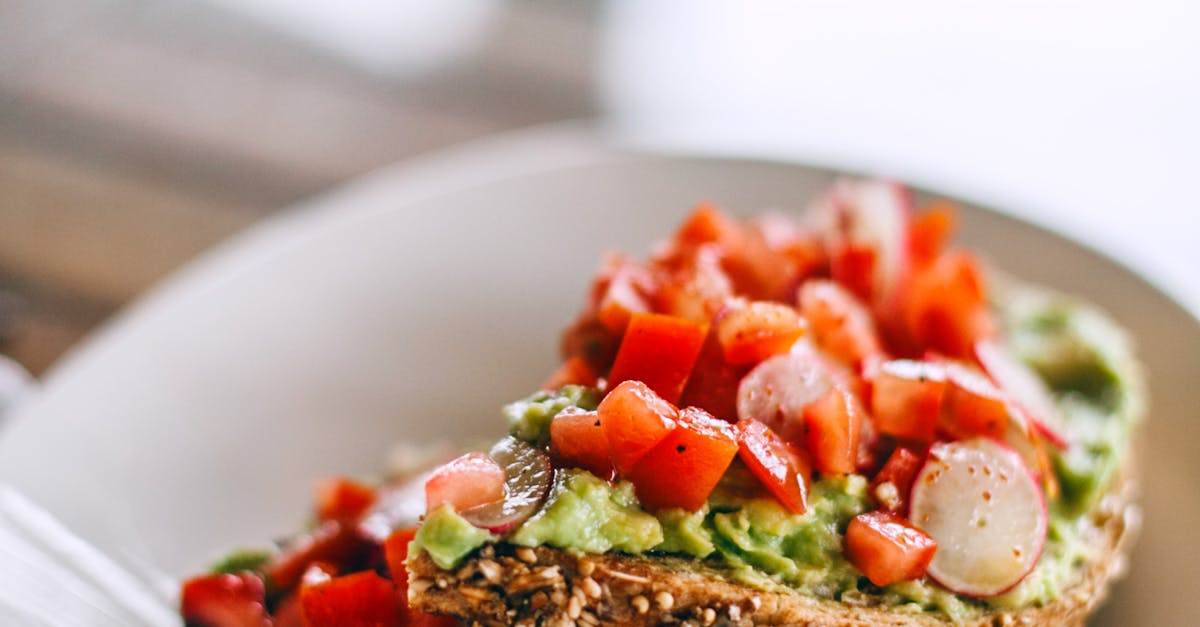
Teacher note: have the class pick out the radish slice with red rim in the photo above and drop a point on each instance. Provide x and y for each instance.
(776, 391)
(1026, 388)
(528, 474)
(981, 504)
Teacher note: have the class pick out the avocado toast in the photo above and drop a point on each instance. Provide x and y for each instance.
(838, 421)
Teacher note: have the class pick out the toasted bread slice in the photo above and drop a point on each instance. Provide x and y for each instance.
(507, 585)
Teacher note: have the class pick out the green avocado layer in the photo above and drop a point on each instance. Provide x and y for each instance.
(748, 535)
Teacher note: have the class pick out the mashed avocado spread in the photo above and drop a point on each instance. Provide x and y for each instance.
(750, 537)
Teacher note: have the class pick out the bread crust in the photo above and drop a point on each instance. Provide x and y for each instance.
(506, 585)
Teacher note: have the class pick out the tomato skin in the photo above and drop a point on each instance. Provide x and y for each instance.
(573, 371)
(362, 599)
(947, 309)
(682, 470)
(776, 465)
(751, 332)
(832, 427)
(465, 482)
(334, 541)
(635, 420)
(693, 286)
(339, 498)
(660, 351)
(706, 224)
(224, 600)
(841, 324)
(713, 385)
(887, 549)
(973, 406)
(288, 613)
(577, 439)
(906, 398)
(900, 469)
(395, 552)
(930, 230)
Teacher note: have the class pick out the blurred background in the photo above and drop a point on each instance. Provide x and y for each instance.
(136, 133)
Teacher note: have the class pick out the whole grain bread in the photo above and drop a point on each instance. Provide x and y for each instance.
(506, 585)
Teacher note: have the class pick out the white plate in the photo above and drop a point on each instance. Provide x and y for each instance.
(411, 305)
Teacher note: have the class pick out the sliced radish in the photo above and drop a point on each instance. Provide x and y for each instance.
(871, 221)
(527, 477)
(981, 504)
(776, 391)
(1025, 387)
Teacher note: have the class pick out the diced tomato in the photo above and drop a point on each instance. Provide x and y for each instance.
(362, 599)
(947, 308)
(590, 341)
(635, 420)
(972, 405)
(906, 398)
(339, 498)
(395, 552)
(887, 549)
(224, 600)
(470, 480)
(832, 426)
(931, 230)
(288, 613)
(318, 573)
(685, 467)
(577, 439)
(899, 470)
(759, 270)
(693, 286)
(574, 371)
(868, 229)
(333, 541)
(853, 267)
(780, 468)
(841, 324)
(622, 299)
(707, 224)
(421, 619)
(751, 332)
(1024, 386)
(660, 351)
(713, 385)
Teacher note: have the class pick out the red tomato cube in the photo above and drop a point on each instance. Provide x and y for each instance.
(694, 285)
(395, 553)
(577, 439)
(634, 420)
(333, 541)
(832, 426)
(685, 467)
(930, 230)
(713, 385)
(224, 601)
(972, 405)
(339, 498)
(707, 224)
(780, 468)
(899, 470)
(887, 549)
(471, 480)
(751, 332)
(574, 371)
(363, 599)
(660, 351)
(840, 323)
(906, 399)
(947, 308)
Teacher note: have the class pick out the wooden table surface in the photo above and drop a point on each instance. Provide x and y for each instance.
(136, 133)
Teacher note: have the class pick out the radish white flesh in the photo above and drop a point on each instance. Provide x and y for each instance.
(776, 390)
(1024, 386)
(528, 475)
(982, 505)
(875, 215)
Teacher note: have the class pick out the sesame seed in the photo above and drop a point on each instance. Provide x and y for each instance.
(574, 608)
(490, 570)
(526, 554)
(710, 616)
(586, 567)
(664, 600)
(641, 604)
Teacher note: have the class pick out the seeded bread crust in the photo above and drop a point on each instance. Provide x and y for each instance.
(506, 585)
